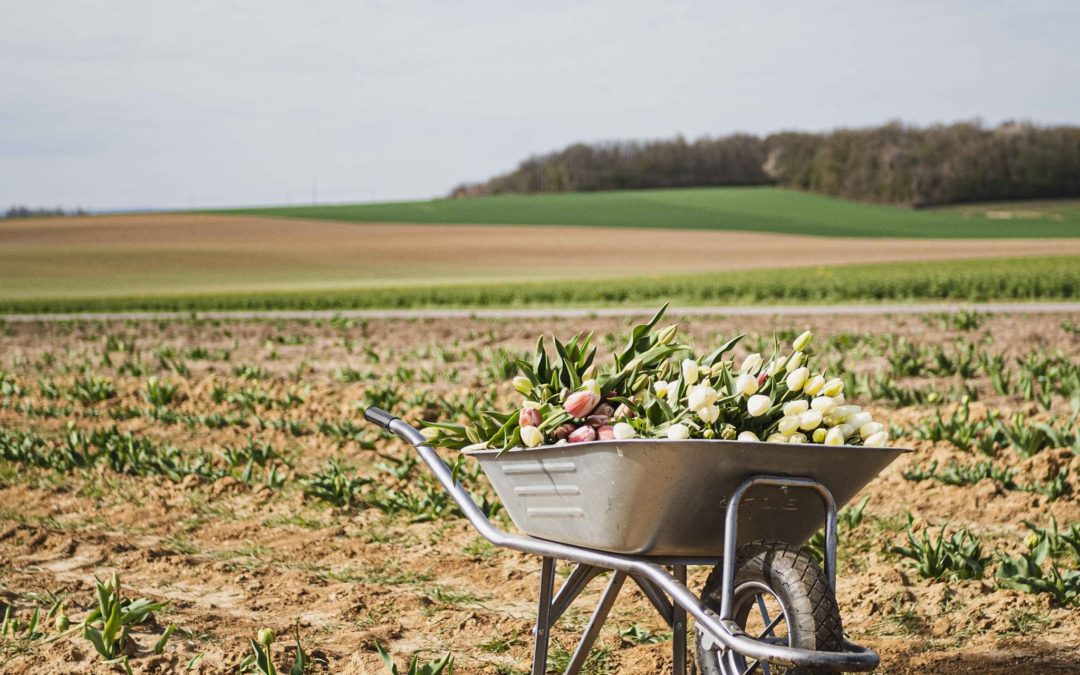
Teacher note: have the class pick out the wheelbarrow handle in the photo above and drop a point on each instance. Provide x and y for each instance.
(379, 416)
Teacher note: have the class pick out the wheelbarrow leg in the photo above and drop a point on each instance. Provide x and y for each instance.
(543, 616)
(678, 629)
(581, 654)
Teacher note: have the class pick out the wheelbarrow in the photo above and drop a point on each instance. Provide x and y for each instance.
(646, 509)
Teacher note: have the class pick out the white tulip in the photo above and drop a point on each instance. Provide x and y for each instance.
(788, 425)
(797, 378)
(531, 436)
(814, 385)
(709, 414)
(820, 434)
(623, 431)
(797, 438)
(843, 411)
(776, 365)
(834, 437)
(689, 371)
(591, 386)
(746, 385)
(796, 407)
(800, 343)
(846, 429)
(748, 436)
(678, 432)
(776, 438)
(660, 388)
(701, 396)
(795, 361)
(809, 420)
(758, 405)
(856, 420)
(823, 404)
(833, 387)
(840, 398)
(523, 384)
(751, 364)
(871, 428)
(672, 395)
(878, 440)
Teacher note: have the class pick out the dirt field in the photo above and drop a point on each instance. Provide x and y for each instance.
(184, 253)
(237, 553)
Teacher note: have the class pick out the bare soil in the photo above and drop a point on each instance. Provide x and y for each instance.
(232, 558)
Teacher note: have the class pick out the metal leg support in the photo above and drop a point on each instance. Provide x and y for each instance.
(657, 597)
(572, 587)
(678, 629)
(596, 623)
(543, 616)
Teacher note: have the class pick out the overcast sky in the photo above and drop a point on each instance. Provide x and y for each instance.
(129, 103)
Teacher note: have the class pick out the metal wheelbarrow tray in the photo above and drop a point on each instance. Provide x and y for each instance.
(668, 498)
(645, 510)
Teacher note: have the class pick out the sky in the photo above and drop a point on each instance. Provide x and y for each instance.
(134, 104)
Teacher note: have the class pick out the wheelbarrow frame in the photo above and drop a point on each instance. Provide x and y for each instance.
(666, 591)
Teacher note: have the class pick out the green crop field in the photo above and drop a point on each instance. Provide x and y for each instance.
(739, 209)
(969, 281)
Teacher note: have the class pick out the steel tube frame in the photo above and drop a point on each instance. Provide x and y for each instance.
(725, 632)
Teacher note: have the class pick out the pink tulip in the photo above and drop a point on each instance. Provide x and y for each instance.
(581, 403)
(762, 376)
(582, 435)
(606, 433)
(563, 431)
(529, 417)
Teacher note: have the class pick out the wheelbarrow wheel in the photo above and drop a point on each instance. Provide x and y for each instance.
(781, 597)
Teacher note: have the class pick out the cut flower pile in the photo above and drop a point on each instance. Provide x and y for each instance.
(656, 387)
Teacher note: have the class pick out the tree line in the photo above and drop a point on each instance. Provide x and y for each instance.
(894, 163)
(40, 212)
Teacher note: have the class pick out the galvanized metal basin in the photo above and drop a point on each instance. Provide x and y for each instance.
(667, 498)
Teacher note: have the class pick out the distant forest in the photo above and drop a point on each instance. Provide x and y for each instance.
(894, 164)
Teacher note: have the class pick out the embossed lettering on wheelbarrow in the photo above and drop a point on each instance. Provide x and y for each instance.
(639, 507)
(668, 498)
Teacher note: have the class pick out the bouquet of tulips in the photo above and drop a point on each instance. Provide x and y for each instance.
(656, 387)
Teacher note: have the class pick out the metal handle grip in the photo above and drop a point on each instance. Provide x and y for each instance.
(379, 416)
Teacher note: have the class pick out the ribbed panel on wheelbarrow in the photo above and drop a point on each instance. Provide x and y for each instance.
(667, 498)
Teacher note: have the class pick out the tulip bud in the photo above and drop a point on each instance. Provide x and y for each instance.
(621, 412)
(660, 388)
(728, 433)
(868, 430)
(678, 432)
(673, 395)
(717, 368)
(878, 440)
(746, 385)
(667, 336)
(591, 385)
(523, 384)
(809, 420)
(819, 435)
(814, 385)
(802, 342)
(845, 429)
(797, 437)
(788, 425)
(623, 431)
(62, 622)
(597, 421)
(843, 411)
(1032, 540)
(748, 436)
(794, 362)
(589, 373)
(797, 378)
(701, 396)
(430, 433)
(640, 382)
(758, 405)
(582, 434)
(529, 417)
(689, 371)
(762, 376)
(606, 433)
(776, 438)
(823, 404)
(777, 365)
(562, 431)
(605, 409)
(833, 387)
(834, 436)
(796, 407)
(708, 434)
(531, 436)
(581, 403)
(856, 420)
(265, 636)
(709, 414)
(751, 364)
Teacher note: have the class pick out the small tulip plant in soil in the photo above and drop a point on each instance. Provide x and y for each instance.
(656, 387)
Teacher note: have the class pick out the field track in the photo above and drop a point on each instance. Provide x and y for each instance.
(567, 313)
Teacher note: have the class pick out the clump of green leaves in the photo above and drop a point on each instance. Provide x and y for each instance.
(1043, 568)
(335, 484)
(415, 668)
(261, 658)
(107, 626)
(957, 556)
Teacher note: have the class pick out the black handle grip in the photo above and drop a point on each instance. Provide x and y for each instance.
(379, 416)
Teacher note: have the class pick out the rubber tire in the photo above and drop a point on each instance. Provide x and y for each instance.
(799, 584)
